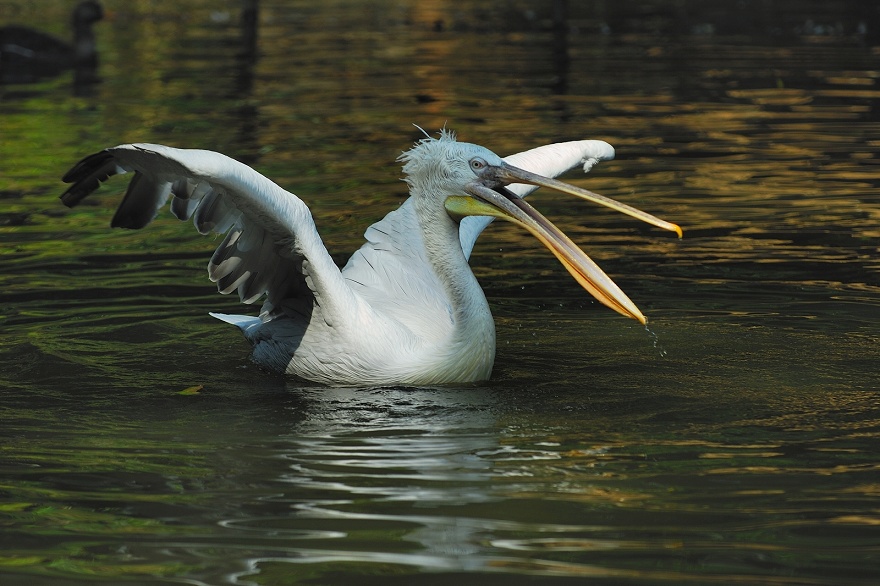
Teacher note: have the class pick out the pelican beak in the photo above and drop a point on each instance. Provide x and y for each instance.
(490, 197)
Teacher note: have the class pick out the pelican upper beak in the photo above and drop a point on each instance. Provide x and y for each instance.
(490, 197)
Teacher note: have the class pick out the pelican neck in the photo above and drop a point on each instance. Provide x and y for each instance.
(443, 249)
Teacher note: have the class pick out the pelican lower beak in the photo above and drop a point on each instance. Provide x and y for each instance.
(489, 197)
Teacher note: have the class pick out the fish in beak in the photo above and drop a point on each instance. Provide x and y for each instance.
(488, 196)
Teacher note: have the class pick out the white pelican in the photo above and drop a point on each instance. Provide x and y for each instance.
(406, 308)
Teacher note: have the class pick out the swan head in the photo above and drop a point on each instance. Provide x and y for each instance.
(87, 13)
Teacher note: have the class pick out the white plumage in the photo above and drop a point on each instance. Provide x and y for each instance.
(406, 308)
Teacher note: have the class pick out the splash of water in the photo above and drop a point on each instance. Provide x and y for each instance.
(660, 349)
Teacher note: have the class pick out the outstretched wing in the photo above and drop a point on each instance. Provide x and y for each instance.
(271, 245)
(550, 161)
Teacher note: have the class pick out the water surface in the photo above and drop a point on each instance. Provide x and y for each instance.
(734, 443)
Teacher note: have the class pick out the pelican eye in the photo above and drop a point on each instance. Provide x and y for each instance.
(478, 164)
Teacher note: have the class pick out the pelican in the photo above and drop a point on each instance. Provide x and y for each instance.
(406, 308)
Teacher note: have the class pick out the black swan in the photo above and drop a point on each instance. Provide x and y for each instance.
(28, 55)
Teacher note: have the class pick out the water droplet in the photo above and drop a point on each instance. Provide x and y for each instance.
(656, 338)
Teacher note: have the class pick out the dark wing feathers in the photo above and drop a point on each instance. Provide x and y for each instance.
(87, 176)
(183, 207)
(248, 260)
(143, 199)
(215, 213)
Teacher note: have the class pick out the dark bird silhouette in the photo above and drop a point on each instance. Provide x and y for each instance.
(28, 55)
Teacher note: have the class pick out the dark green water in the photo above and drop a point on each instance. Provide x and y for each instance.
(736, 445)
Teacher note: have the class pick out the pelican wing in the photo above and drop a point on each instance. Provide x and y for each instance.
(549, 160)
(271, 245)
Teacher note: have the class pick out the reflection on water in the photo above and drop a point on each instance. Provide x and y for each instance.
(340, 485)
(736, 444)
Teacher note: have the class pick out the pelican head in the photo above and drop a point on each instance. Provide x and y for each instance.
(471, 180)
